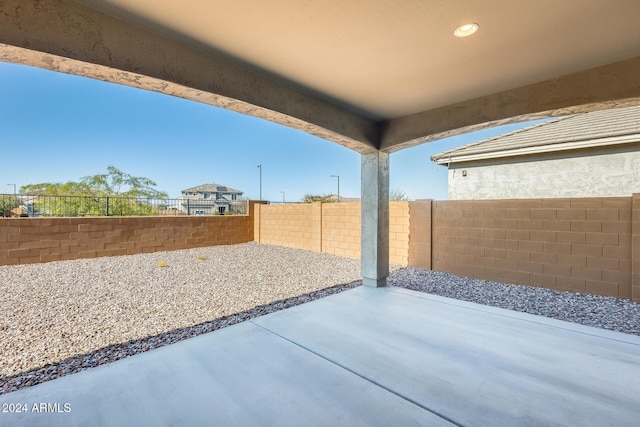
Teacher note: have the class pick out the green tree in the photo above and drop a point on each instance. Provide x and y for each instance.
(89, 195)
(327, 198)
(118, 183)
(7, 204)
(398, 195)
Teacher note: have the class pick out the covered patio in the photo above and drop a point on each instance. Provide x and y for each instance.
(376, 77)
(367, 356)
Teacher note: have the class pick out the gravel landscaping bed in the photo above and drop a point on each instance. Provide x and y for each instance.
(592, 310)
(63, 317)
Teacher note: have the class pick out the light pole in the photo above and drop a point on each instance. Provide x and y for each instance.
(282, 196)
(260, 167)
(14, 189)
(337, 176)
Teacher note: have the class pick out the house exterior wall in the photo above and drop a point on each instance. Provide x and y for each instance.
(594, 173)
(198, 204)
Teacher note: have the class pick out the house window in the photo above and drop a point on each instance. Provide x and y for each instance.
(207, 195)
(234, 197)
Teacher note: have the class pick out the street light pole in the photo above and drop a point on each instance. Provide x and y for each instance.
(337, 176)
(14, 189)
(282, 196)
(260, 167)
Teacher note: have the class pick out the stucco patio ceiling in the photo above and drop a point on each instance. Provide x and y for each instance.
(377, 74)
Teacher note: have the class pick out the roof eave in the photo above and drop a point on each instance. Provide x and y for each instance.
(541, 149)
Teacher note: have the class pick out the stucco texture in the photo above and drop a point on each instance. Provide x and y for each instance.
(601, 173)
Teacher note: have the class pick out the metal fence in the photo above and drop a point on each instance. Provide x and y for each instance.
(280, 202)
(73, 206)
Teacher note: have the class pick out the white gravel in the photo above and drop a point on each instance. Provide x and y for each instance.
(69, 315)
(62, 317)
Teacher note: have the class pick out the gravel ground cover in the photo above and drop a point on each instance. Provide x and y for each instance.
(592, 310)
(63, 317)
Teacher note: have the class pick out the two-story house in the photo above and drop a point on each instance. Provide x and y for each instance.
(208, 199)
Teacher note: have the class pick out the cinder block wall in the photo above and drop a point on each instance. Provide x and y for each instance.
(581, 245)
(341, 229)
(635, 248)
(290, 225)
(329, 227)
(586, 245)
(420, 234)
(399, 233)
(33, 240)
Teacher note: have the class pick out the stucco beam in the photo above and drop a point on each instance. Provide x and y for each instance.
(65, 36)
(613, 85)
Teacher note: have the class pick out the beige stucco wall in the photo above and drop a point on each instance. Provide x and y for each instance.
(595, 173)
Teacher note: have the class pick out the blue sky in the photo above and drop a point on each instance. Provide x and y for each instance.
(57, 127)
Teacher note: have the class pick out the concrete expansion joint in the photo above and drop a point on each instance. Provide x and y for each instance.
(356, 373)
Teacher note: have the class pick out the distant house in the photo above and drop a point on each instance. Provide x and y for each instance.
(208, 199)
(587, 155)
(28, 206)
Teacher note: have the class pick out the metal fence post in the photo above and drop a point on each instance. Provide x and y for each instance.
(107, 206)
(188, 208)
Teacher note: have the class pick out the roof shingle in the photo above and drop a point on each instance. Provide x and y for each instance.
(605, 127)
(211, 188)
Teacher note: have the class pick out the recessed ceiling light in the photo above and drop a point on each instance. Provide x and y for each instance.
(466, 30)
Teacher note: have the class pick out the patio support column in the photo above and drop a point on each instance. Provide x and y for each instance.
(375, 219)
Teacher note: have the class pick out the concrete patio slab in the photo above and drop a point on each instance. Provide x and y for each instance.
(477, 365)
(367, 356)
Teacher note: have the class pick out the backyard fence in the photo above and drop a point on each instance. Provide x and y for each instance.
(578, 244)
(75, 206)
